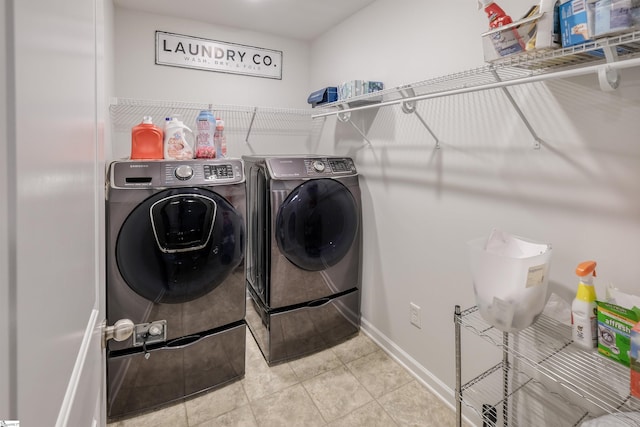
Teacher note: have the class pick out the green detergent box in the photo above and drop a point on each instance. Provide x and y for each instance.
(614, 330)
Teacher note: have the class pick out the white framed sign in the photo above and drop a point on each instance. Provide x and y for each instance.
(178, 50)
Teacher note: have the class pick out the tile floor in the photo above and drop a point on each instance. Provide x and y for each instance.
(352, 384)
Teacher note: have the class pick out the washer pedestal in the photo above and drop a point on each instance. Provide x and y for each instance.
(290, 333)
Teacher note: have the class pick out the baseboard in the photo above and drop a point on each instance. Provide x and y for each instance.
(419, 372)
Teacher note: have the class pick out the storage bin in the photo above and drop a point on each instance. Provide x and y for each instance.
(536, 32)
(510, 292)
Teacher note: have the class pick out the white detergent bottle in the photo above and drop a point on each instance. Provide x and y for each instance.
(178, 140)
(584, 308)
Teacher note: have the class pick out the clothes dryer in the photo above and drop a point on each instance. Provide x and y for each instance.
(303, 253)
(175, 267)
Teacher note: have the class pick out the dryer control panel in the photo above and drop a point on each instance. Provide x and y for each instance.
(171, 173)
(313, 167)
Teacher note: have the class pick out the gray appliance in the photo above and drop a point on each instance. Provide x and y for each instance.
(304, 245)
(175, 267)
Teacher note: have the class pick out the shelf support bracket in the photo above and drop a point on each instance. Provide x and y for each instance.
(409, 107)
(536, 138)
(608, 77)
(253, 117)
(346, 118)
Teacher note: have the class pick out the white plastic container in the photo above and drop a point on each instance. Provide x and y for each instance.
(510, 290)
(178, 140)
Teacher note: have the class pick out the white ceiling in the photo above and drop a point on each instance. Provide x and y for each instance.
(298, 19)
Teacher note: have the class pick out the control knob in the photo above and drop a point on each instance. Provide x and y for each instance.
(184, 172)
(318, 166)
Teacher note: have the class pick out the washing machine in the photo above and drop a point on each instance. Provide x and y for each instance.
(304, 245)
(175, 267)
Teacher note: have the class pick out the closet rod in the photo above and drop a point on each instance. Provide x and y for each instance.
(635, 62)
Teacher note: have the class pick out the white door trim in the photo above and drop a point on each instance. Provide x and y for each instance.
(74, 381)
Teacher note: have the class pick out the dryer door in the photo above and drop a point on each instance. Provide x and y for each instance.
(179, 245)
(316, 224)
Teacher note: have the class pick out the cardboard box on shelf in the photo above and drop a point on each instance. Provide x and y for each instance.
(323, 96)
(635, 360)
(614, 331)
(574, 24)
(355, 88)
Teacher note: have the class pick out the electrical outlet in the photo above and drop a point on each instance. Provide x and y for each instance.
(414, 315)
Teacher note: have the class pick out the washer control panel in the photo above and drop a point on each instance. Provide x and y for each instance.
(160, 174)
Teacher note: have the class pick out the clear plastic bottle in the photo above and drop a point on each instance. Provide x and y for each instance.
(219, 140)
(205, 129)
(584, 308)
(146, 141)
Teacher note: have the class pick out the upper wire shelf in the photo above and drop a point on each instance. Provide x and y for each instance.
(515, 69)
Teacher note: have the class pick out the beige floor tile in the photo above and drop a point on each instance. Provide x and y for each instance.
(212, 405)
(370, 415)
(414, 405)
(336, 393)
(315, 364)
(173, 416)
(291, 406)
(239, 417)
(338, 385)
(261, 380)
(354, 348)
(378, 373)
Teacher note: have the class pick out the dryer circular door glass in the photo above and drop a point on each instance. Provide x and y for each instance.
(317, 224)
(179, 245)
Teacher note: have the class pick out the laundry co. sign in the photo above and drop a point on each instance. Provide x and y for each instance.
(193, 52)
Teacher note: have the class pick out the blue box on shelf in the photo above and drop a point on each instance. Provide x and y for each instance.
(574, 25)
(323, 96)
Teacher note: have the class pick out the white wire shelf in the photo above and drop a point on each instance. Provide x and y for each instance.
(239, 120)
(522, 390)
(543, 355)
(526, 67)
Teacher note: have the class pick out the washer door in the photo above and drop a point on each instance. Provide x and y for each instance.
(317, 224)
(179, 245)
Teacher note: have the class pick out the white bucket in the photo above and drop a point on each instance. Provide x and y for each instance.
(511, 291)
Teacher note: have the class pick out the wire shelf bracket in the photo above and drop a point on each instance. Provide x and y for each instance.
(514, 104)
(409, 107)
(253, 118)
(346, 118)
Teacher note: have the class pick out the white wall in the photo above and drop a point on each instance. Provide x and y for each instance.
(579, 192)
(49, 193)
(137, 76)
